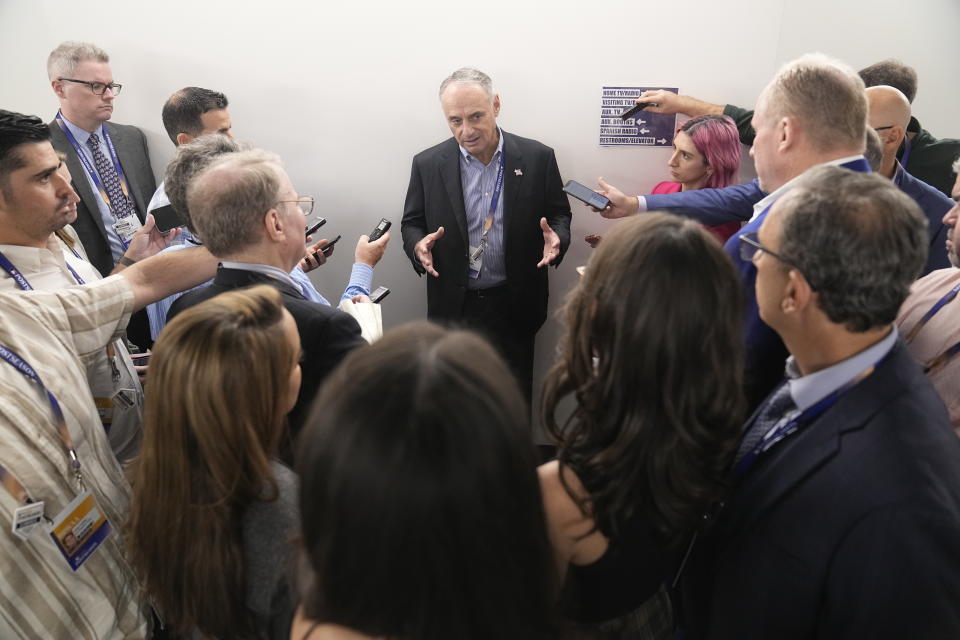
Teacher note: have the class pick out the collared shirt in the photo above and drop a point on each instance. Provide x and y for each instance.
(478, 182)
(810, 389)
(773, 196)
(265, 269)
(940, 333)
(82, 135)
(46, 269)
(40, 597)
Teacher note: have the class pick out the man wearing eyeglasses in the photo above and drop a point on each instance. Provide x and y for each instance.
(109, 163)
(843, 520)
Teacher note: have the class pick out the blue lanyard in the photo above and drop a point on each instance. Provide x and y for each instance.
(22, 281)
(91, 170)
(946, 356)
(21, 365)
(498, 187)
(796, 420)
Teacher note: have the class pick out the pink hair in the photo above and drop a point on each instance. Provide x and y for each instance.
(716, 137)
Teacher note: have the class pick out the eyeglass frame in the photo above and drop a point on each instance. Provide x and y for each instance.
(309, 199)
(113, 86)
(749, 243)
(879, 129)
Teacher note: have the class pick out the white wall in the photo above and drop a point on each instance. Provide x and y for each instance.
(346, 93)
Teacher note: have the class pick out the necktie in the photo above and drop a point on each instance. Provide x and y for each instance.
(777, 406)
(120, 205)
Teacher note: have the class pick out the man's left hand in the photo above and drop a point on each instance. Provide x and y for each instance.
(551, 244)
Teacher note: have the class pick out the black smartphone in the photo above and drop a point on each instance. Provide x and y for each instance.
(328, 248)
(586, 194)
(140, 359)
(379, 294)
(381, 229)
(320, 222)
(637, 108)
(166, 218)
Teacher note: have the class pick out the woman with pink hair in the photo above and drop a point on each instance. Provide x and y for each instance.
(706, 155)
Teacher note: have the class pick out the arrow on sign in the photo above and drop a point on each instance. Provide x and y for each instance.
(644, 131)
(662, 141)
(639, 122)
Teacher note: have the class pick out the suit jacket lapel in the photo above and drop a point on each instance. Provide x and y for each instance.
(513, 170)
(793, 460)
(450, 174)
(81, 183)
(130, 167)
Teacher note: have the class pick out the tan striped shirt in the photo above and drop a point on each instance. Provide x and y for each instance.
(40, 597)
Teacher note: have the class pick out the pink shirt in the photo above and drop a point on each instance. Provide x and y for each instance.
(721, 231)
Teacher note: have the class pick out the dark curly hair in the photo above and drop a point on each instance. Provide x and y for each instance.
(652, 355)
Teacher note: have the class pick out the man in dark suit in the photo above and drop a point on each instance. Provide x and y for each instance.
(844, 521)
(485, 215)
(109, 162)
(249, 215)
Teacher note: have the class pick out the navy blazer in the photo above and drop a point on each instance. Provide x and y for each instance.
(850, 528)
(326, 333)
(131, 146)
(532, 189)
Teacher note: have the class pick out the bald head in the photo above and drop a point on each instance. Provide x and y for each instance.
(229, 199)
(887, 106)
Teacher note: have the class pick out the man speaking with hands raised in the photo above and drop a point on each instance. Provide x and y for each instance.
(485, 214)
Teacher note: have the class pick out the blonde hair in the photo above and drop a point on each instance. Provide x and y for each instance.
(825, 95)
(213, 419)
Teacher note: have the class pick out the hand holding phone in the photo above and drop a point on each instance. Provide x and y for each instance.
(328, 248)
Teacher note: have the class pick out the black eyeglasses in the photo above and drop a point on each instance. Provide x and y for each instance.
(750, 249)
(889, 126)
(98, 88)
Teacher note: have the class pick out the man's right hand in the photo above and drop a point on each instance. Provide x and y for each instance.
(621, 205)
(423, 250)
(371, 252)
(669, 102)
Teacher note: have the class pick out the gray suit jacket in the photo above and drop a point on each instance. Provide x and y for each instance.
(131, 146)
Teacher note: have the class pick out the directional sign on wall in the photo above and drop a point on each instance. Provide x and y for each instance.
(644, 129)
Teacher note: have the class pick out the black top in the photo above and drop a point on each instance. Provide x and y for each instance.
(631, 571)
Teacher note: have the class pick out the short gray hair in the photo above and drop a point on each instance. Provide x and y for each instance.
(858, 240)
(825, 95)
(190, 160)
(63, 61)
(468, 75)
(873, 149)
(229, 198)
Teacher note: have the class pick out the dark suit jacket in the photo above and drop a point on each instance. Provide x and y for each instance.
(131, 146)
(847, 529)
(326, 334)
(435, 198)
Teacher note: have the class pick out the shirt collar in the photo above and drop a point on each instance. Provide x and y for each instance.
(770, 198)
(79, 133)
(808, 390)
(469, 157)
(30, 260)
(265, 269)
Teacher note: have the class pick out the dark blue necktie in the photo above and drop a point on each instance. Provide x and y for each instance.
(776, 406)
